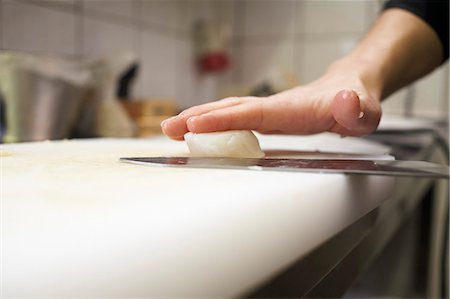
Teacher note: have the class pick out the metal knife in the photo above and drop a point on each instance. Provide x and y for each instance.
(361, 167)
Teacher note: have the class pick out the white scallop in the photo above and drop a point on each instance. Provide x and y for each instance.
(233, 144)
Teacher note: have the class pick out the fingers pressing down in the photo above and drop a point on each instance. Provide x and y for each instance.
(221, 115)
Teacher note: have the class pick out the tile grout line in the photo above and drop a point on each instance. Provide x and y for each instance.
(298, 37)
(295, 58)
(178, 89)
(133, 22)
(239, 12)
(1, 24)
(78, 14)
(113, 18)
(137, 40)
(46, 5)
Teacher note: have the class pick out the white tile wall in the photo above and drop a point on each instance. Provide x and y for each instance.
(193, 87)
(113, 7)
(224, 11)
(204, 10)
(206, 89)
(267, 18)
(29, 27)
(395, 104)
(1, 25)
(430, 95)
(269, 36)
(157, 77)
(261, 61)
(185, 74)
(58, 4)
(314, 56)
(106, 38)
(157, 31)
(161, 13)
(331, 16)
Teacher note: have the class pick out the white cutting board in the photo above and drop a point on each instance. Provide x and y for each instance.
(76, 222)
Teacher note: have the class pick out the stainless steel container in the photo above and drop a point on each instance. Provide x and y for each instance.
(42, 95)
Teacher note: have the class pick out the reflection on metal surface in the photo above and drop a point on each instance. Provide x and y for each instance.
(367, 167)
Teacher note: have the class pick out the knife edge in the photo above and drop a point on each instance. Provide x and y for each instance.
(358, 167)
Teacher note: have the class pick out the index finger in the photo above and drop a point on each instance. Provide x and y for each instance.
(175, 127)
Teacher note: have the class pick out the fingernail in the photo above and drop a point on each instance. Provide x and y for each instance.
(346, 94)
(164, 122)
(171, 118)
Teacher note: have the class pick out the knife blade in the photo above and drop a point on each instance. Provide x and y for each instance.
(360, 167)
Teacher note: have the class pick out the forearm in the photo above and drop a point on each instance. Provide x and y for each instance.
(398, 49)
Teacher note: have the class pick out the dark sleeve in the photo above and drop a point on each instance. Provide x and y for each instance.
(433, 12)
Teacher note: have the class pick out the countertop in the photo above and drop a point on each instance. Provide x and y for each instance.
(77, 222)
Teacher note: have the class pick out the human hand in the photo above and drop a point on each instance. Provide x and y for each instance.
(338, 102)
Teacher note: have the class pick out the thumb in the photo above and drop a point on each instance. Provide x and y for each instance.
(354, 117)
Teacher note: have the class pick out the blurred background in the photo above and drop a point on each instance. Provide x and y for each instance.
(111, 68)
(163, 56)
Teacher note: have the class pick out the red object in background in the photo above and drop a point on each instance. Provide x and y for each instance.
(214, 61)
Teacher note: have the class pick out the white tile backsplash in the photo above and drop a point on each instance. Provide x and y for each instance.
(29, 27)
(314, 56)
(271, 36)
(267, 18)
(104, 38)
(193, 11)
(186, 73)
(224, 11)
(395, 103)
(427, 98)
(262, 61)
(206, 88)
(123, 8)
(324, 16)
(58, 4)
(157, 74)
(193, 87)
(161, 13)
(1, 25)
(430, 95)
